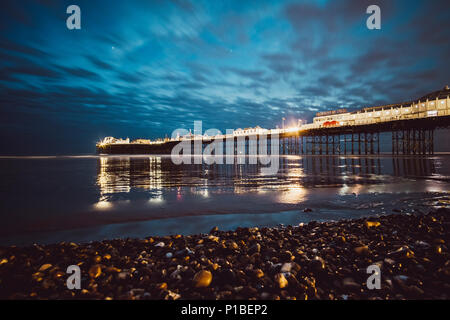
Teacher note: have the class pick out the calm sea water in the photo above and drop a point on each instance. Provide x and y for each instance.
(84, 198)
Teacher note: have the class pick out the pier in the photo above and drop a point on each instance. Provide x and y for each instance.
(411, 125)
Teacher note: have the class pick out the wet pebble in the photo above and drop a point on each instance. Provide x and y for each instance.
(203, 278)
(313, 261)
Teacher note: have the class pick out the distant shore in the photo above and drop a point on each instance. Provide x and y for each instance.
(327, 260)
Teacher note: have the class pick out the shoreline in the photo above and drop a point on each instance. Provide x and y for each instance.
(318, 260)
(92, 226)
(382, 154)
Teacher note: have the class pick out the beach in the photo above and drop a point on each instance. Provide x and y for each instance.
(317, 260)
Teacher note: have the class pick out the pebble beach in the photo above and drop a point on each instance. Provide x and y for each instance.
(318, 260)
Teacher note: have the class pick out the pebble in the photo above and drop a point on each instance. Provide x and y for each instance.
(202, 278)
(123, 275)
(172, 295)
(214, 230)
(259, 273)
(350, 284)
(316, 261)
(265, 295)
(137, 292)
(45, 267)
(281, 280)
(286, 267)
(177, 272)
(362, 250)
(95, 271)
(372, 224)
(422, 244)
(401, 277)
(403, 251)
(256, 248)
(317, 264)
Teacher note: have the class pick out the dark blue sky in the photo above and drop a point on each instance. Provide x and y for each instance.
(145, 68)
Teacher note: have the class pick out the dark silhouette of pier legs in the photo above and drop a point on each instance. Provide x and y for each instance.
(413, 141)
(410, 141)
(336, 144)
(404, 141)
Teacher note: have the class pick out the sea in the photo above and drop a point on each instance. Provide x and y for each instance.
(83, 198)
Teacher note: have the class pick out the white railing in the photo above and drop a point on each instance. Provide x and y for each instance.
(420, 110)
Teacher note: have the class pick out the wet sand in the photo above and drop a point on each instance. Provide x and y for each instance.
(326, 260)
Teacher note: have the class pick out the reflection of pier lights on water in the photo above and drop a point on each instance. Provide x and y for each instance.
(297, 173)
(113, 183)
(330, 170)
(293, 194)
(120, 174)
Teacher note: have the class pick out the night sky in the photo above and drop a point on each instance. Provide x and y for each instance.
(144, 68)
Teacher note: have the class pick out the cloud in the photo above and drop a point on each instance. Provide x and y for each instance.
(99, 63)
(229, 64)
(31, 70)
